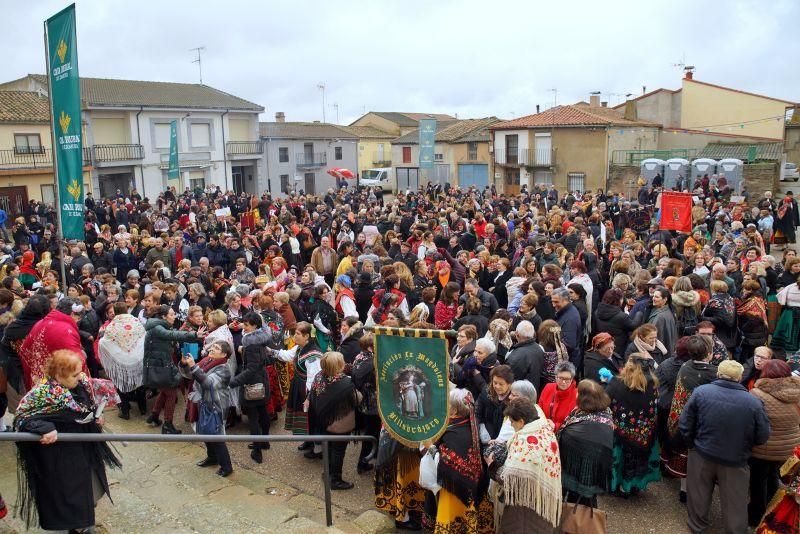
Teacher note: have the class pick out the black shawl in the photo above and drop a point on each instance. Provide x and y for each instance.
(330, 399)
(460, 465)
(586, 442)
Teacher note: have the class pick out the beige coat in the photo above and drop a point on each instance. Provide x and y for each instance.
(781, 397)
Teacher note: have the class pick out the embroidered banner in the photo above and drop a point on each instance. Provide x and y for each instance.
(676, 211)
(412, 370)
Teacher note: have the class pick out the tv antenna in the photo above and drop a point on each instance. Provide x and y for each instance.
(682, 63)
(199, 60)
(335, 106)
(321, 87)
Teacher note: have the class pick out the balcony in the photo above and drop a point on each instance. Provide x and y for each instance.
(33, 158)
(311, 161)
(188, 160)
(381, 159)
(526, 157)
(112, 153)
(244, 148)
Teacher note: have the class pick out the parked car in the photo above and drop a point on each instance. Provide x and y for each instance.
(790, 173)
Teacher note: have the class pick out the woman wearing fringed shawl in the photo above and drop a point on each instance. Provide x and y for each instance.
(121, 351)
(61, 481)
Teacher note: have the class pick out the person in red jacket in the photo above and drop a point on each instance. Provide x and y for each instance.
(58, 330)
(560, 397)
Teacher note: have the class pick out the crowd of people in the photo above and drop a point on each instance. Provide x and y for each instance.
(593, 352)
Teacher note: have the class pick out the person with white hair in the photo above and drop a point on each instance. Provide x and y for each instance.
(526, 357)
(474, 373)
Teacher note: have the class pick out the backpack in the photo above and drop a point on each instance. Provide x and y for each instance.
(687, 322)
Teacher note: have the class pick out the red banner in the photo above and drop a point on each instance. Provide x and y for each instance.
(676, 211)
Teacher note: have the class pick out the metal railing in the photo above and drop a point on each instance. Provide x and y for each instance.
(243, 148)
(635, 157)
(216, 438)
(28, 159)
(104, 153)
(317, 159)
(525, 157)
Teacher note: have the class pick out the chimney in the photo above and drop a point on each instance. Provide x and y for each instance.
(280, 116)
(795, 115)
(537, 108)
(604, 104)
(594, 101)
(689, 72)
(630, 110)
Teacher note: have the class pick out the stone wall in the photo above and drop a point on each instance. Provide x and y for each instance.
(622, 179)
(760, 177)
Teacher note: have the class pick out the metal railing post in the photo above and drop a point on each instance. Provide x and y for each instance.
(326, 482)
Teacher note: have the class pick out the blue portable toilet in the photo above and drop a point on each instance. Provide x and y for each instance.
(650, 167)
(673, 168)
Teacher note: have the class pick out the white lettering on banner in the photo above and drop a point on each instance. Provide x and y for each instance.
(72, 207)
(62, 71)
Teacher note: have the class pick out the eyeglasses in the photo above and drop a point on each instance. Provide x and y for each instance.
(564, 378)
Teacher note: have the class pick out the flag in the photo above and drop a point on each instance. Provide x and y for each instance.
(174, 171)
(65, 119)
(676, 211)
(427, 141)
(412, 376)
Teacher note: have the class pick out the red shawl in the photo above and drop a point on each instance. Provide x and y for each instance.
(56, 331)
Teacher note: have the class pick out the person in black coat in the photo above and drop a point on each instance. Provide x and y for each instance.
(474, 317)
(526, 357)
(253, 373)
(352, 330)
(610, 318)
(492, 402)
(363, 294)
(498, 280)
(602, 356)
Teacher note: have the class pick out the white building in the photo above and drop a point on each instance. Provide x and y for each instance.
(127, 127)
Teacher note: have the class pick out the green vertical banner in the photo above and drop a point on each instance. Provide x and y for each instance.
(65, 110)
(174, 171)
(412, 371)
(427, 141)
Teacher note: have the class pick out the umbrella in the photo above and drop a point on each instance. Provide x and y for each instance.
(335, 172)
(338, 172)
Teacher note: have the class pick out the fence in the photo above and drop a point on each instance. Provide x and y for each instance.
(635, 157)
(183, 438)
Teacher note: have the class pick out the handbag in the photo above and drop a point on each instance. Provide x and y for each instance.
(578, 518)
(159, 376)
(254, 392)
(209, 420)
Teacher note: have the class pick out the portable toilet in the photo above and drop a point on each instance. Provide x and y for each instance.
(650, 167)
(733, 169)
(702, 166)
(673, 168)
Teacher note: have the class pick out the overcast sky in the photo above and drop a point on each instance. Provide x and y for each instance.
(465, 57)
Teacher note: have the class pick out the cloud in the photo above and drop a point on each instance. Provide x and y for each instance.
(470, 57)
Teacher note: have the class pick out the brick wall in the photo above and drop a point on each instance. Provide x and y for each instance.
(760, 177)
(622, 179)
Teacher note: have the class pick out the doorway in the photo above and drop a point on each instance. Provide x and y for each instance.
(238, 180)
(308, 153)
(109, 183)
(14, 200)
(309, 184)
(512, 181)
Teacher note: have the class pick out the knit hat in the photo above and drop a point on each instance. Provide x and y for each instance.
(344, 280)
(730, 370)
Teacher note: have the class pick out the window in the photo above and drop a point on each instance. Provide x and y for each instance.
(201, 134)
(283, 154)
(197, 179)
(27, 144)
(438, 157)
(472, 151)
(285, 184)
(49, 194)
(512, 146)
(576, 181)
(406, 154)
(162, 135)
(543, 178)
(337, 153)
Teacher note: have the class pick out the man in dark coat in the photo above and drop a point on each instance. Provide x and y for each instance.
(526, 357)
(721, 423)
(569, 320)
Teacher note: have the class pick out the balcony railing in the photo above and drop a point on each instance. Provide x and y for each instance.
(382, 159)
(309, 161)
(107, 153)
(41, 158)
(635, 157)
(244, 148)
(525, 157)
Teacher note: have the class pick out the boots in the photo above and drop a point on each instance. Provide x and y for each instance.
(338, 484)
(169, 428)
(153, 420)
(255, 454)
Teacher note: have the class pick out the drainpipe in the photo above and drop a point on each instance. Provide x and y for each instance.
(139, 141)
(224, 150)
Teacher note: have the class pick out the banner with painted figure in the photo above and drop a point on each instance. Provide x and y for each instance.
(412, 371)
(65, 109)
(427, 142)
(676, 211)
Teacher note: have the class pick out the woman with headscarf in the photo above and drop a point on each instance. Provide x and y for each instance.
(28, 273)
(498, 334)
(751, 314)
(58, 481)
(721, 312)
(602, 356)
(345, 302)
(633, 396)
(36, 309)
(121, 352)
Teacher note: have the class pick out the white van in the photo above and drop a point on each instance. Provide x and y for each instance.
(383, 177)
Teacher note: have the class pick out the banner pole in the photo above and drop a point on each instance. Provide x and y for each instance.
(54, 155)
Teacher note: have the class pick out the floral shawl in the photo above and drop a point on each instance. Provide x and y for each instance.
(754, 306)
(49, 397)
(532, 471)
(121, 351)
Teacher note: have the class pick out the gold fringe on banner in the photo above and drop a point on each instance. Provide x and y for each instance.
(411, 332)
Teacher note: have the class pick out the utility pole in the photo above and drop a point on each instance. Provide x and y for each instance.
(335, 106)
(321, 87)
(555, 96)
(199, 60)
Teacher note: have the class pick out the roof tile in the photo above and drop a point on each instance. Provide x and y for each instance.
(304, 130)
(572, 115)
(24, 106)
(764, 151)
